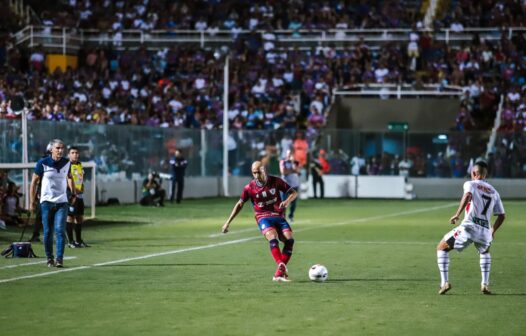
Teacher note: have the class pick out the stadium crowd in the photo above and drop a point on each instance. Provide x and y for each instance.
(181, 86)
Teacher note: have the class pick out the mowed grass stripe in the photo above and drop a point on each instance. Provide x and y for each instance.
(230, 242)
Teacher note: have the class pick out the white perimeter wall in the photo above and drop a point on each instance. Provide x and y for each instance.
(336, 186)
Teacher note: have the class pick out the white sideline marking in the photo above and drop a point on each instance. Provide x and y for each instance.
(230, 242)
(32, 263)
(195, 248)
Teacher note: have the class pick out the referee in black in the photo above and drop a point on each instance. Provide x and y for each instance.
(178, 164)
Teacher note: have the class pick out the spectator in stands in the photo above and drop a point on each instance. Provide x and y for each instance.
(358, 164)
(301, 148)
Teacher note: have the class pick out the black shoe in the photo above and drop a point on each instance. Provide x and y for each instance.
(74, 244)
(50, 262)
(59, 263)
(82, 244)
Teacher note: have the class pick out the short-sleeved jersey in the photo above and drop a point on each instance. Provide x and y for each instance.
(265, 198)
(77, 174)
(293, 179)
(485, 201)
(53, 175)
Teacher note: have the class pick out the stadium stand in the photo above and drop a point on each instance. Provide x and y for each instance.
(275, 62)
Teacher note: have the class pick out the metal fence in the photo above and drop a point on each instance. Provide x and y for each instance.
(139, 149)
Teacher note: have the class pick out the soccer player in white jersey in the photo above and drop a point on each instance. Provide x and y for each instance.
(480, 201)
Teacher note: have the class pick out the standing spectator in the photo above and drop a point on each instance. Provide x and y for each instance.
(301, 147)
(404, 167)
(319, 167)
(178, 163)
(358, 164)
(76, 203)
(290, 172)
(54, 171)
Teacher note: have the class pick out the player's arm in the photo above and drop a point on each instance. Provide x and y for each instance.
(237, 208)
(463, 203)
(82, 179)
(498, 222)
(35, 180)
(291, 196)
(71, 185)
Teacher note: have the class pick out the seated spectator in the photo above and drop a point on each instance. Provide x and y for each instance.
(11, 210)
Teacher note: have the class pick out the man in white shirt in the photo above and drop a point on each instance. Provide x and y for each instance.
(480, 201)
(54, 171)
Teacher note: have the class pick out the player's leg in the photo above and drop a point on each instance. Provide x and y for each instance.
(457, 239)
(37, 227)
(172, 189)
(314, 184)
(45, 208)
(322, 187)
(443, 249)
(180, 188)
(79, 221)
(485, 267)
(272, 237)
(162, 195)
(70, 222)
(60, 223)
(287, 237)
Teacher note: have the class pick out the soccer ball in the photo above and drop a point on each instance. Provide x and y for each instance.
(318, 273)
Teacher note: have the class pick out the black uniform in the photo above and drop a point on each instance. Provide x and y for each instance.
(178, 165)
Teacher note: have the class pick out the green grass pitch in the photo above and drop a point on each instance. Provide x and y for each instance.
(169, 271)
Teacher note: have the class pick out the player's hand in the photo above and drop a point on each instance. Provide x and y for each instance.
(224, 229)
(453, 219)
(283, 205)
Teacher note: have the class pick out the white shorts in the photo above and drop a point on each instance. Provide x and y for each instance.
(463, 235)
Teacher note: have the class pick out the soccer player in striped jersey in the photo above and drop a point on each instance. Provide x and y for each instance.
(269, 208)
(76, 202)
(480, 201)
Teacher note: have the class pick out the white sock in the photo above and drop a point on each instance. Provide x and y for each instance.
(443, 266)
(485, 267)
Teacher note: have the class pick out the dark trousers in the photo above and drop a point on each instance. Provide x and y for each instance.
(38, 222)
(292, 206)
(318, 179)
(180, 187)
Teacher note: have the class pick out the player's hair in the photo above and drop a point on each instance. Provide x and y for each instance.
(73, 148)
(482, 167)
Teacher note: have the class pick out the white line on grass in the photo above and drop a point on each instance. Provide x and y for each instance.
(230, 242)
(189, 249)
(32, 263)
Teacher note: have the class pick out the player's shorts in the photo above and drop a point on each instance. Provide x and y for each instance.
(76, 209)
(463, 235)
(278, 223)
